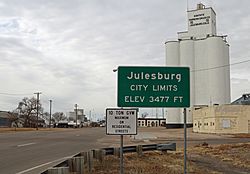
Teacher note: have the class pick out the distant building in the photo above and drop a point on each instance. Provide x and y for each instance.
(201, 49)
(5, 119)
(80, 115)
(63, 124)
(151, 122)
(31, 121)
(243, 100)
(8, 119)
(229, 119)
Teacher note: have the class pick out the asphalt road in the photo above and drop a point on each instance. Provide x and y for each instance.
(162, 135)
(35, 151)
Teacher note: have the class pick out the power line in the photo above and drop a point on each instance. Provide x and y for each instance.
(222, 66)
(12, 94)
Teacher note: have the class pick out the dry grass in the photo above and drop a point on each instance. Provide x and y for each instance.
(242, 136)
(140, 165)
(201, 159)
(237, 155)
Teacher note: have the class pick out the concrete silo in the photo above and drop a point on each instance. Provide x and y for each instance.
(207, 55)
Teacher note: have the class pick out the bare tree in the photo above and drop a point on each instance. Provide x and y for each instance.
(46, 115)
(59, 116)
(27, 110)
(144, 114)
(13, 118)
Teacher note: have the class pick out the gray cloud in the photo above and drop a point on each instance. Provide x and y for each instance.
(68, 49)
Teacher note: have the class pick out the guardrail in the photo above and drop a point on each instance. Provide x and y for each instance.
(82, 162)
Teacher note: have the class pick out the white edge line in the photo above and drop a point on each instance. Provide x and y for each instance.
(28, 144)
(33, 168)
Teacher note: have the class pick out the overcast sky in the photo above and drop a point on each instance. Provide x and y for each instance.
(67, 49)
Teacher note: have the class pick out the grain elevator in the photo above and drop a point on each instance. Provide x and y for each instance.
(207, 55)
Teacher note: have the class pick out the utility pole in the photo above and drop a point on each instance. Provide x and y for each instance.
(90, 116)
(76, 114)
(50, 104)
(37, 107)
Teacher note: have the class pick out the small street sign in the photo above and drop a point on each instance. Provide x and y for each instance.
(121, 121)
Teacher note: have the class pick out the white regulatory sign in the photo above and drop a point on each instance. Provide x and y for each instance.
(121, 121)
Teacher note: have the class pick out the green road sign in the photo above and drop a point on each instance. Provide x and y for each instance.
(153, 86)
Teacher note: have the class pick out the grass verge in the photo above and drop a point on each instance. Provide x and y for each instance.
(227, 158)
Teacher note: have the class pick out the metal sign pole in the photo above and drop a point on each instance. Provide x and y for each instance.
(121, 156)
(121, 122)
(185, 140)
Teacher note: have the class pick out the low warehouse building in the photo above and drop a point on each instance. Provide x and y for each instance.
(151, 122)
(222, 119)
(5, 119)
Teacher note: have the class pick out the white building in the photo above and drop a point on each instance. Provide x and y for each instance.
(80, 115)
(207, 55)
(151, 122)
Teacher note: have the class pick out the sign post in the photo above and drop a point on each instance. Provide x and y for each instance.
(155, 87)
(185, 140)
(121, 156)
(121, 122)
